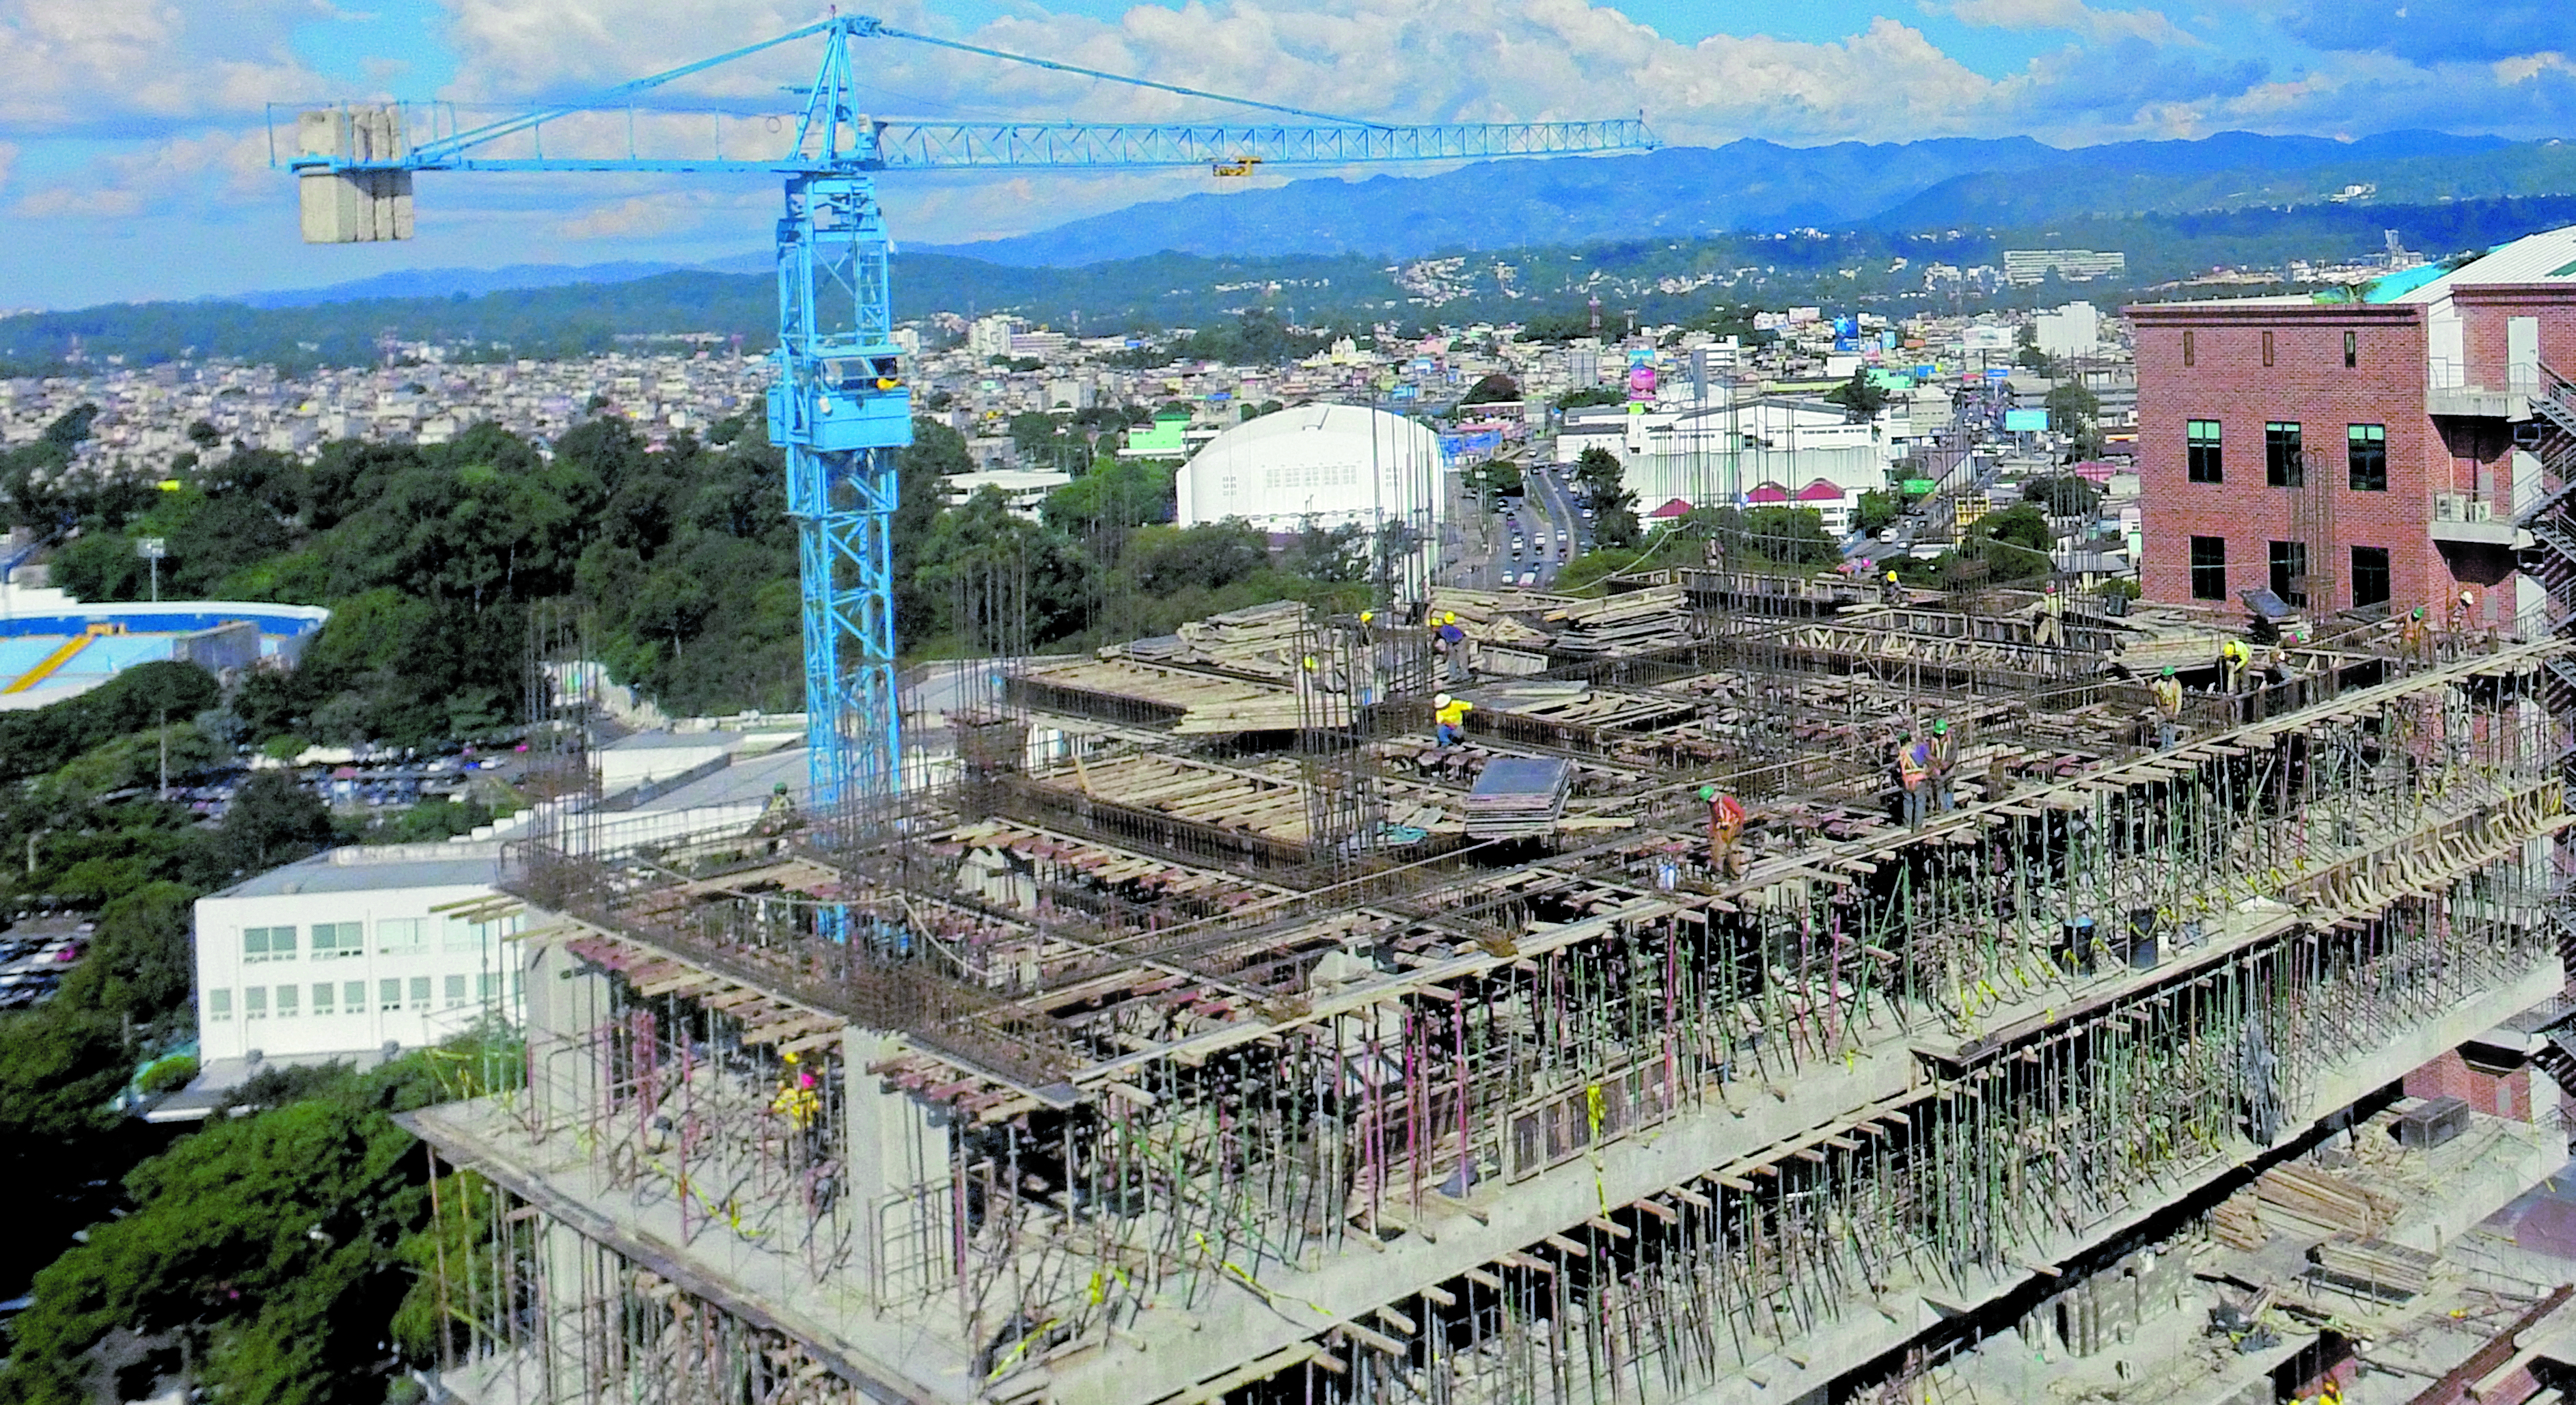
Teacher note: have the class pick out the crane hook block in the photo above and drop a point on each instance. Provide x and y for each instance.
(346, 186)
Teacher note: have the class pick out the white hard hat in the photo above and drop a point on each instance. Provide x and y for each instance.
(1441, 701)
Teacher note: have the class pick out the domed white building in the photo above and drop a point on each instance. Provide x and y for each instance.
(1326, 464)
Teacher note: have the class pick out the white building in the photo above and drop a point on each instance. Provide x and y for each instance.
(991, 336)
(343, 953)
(1023, 490)
(2072, 330)
(1326, 464)
(351, 950)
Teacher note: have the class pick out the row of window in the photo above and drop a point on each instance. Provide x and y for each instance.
(395, 936)
(2351, 349)
(2288, 572)
(348, 997)
(2365, 449)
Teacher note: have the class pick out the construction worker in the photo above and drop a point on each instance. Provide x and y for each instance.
(1450, 642)
(799, 1099)
(2464, 612)
(2235, 656)
(2414, 636)
(1912, 770)
(2168, 692)
(1942, 756)
(1449, 719)
(1889, 591)
(1725, 827)
(2048, 630)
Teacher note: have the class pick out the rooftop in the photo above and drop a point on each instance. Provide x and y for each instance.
(365, 867)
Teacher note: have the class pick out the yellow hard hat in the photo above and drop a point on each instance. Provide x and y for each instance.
(1891, 576)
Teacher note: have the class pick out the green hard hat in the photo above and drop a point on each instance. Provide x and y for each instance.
(1708, 792)
(2168, 671)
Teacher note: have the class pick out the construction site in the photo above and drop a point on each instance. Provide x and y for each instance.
(1196, 1027)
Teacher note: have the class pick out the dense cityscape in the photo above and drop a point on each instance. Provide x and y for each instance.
(1537, 760)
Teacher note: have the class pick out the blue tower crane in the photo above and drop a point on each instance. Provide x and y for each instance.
(838, 406)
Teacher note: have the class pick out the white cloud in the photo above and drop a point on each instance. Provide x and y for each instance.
(2070, 16)
(125, 64)
(209, 169)
(636, 217)
(1407, 60)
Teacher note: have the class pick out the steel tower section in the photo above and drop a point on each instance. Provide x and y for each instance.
(841, 413)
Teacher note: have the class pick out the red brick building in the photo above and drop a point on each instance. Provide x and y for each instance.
(2358, 452)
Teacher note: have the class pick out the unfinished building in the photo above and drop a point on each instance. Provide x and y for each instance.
(1209, 1034)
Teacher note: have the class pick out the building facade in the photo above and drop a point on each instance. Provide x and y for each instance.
(2367, 453)
(354, 949)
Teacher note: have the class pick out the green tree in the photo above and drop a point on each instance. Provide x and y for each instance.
(1861, 397)
(1878, 509)
(1583, 396)
(283, 1245)
(2063, 495)
(271, 821)
(1789, 536)
(1495, 388)
(2014, 544)
(2077, 413)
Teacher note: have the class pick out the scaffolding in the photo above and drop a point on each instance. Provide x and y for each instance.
(1164, 1067)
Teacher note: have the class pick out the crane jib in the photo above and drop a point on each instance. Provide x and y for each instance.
(839, 407)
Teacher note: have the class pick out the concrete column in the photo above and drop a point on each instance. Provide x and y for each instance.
(893, 1146)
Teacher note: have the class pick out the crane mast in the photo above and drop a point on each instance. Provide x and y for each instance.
(838, 407)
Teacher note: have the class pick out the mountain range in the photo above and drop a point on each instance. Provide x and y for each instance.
(1687, 192)
(1761, 186)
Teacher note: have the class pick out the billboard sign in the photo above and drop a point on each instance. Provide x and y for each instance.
(2025, 421)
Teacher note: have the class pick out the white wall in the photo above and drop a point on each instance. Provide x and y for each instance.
(443, 983)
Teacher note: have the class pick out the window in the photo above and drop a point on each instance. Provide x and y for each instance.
(286, 1002)
(2369, 576)
(353, 997)
(254, 1002)
(463, 935)
(219, 1004)
(332, 939)
(420, 992)
(2367, 448)
(400, 935)
(2289, 562)
(487, 987)
(2209, 568)
(2267, 348)
(2190, 353)
(455, 991)
(389, 993)
(268, 944)
(2351, 350)
(2201, 451)
(322, 993)
(2283, 463)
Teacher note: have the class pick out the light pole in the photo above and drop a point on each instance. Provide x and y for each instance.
(152, 549)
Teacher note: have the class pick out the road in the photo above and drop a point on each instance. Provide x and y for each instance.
(1543, 518)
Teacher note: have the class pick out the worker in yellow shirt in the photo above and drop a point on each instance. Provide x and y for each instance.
(2235, 656)
(2168, 693)
(1449, 719)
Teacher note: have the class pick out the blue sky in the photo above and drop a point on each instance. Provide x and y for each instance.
(134, 150)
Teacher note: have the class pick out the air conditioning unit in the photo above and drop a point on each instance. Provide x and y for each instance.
(2479, 511)
(2450, 507)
